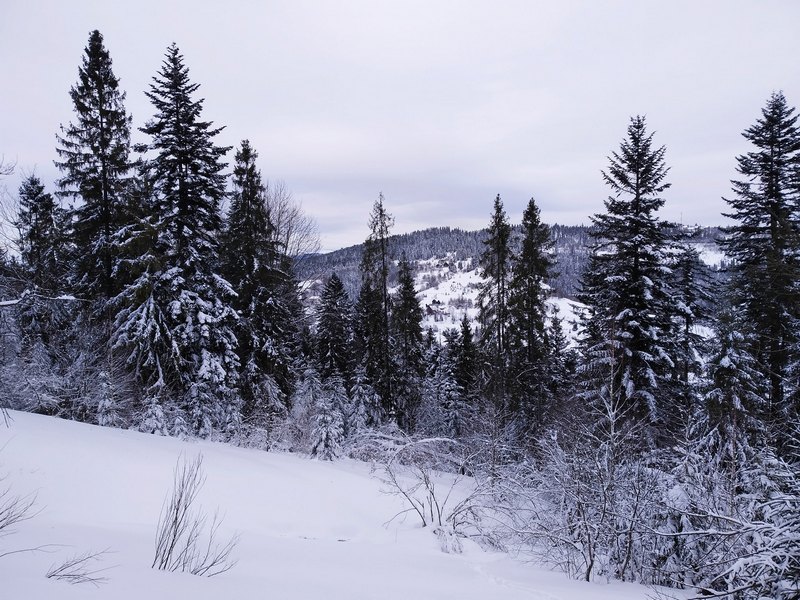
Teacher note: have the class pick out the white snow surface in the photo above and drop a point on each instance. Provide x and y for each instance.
(710, 254)
(309, 529)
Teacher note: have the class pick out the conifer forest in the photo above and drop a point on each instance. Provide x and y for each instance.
(652, 435)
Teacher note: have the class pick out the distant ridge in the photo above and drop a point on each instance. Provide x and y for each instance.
(571, 249)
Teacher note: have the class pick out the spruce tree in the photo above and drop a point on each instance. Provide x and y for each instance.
(94, 158)
(764, 246)
(334, 331)
(45, 324)
(495, 265)
(176, 321)
(41, 224)
(527, 309)
(626, 353)
(252, 264)
(736, 393)
(562, 358)
(366, 410)
(407, 345)
(692, 301)
(248, 251)
(374, 307)
(466, 363)
(443, 411)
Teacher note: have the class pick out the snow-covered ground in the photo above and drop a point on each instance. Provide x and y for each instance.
(309, 529)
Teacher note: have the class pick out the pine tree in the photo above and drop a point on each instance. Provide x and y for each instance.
(764, 246)
(407, 345)
(328, 432)
(626, 355)
(366, 409)
(561, 359)
(465, 357)
(527, 310)
(336, 393)
(374, 308)
(46, 325)
(493, 299)
(251, 262)
(692, 300)
(41, 224)
(334, 331)
(736, 391)
(443, 411)
(93, 153)
(176, 321)
(249, 251)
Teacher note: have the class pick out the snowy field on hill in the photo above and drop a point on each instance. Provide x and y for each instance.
(309, 529)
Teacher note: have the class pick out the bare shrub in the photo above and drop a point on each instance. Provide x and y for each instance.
(80, 568)
(185, 539)
(14, 509)
(426, 474)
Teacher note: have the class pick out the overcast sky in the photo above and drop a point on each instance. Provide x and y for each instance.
(439, 105)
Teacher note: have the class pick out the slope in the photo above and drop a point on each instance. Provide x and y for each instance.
(308, 529)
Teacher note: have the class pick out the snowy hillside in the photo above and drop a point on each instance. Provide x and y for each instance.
(448, 289)
(308, 529)
(447, 276)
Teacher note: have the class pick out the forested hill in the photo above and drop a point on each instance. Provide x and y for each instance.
(571, 244)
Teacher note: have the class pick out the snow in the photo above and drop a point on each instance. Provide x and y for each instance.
(710, 254)
(309, 529)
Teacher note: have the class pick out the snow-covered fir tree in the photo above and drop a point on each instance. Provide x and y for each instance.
(764, 245)
(42, 227)
(251, 262)
(626, 348)
(493, 300)
(94, 159)
(373, 310)
(334, 337)
(528, 340)
(465, 357)
(406, 346)
(328, 429)
(176, 323)
(693, 303)
(366, 408)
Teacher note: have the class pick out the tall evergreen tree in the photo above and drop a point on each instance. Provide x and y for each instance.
(374, 307)
(41, 223)
(93, 153)
(562, 358)
(248, 246)
(251, 262)
(527, 309)
(626, 355)
(692, 301)
(334, 331)
(443, 411)
(44, 324)
(176, 319)
(736, 392)
(407, 345)
(764, 245)
(465, 357)
(493, 299)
